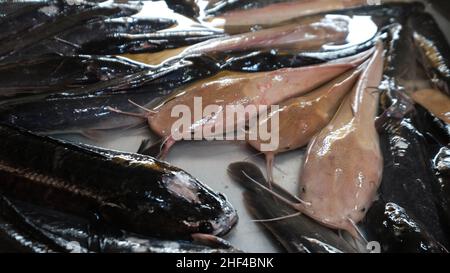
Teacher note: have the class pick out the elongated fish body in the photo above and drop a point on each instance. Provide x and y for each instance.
(434, 101)
(31, 14)
(129, 191)
(269, 60)
(55, 73)
(235, 21)
(296, 233)
(23, 41)
(243, 89)
(396, 231)
(84, 109)
(343, 166)
(407, 184)
(68, 233)
(404, 217)
(311, 35)
(122, 43)
(302, 117)
(89, 37)
(436, 134)
(220, 6)
(434, 49)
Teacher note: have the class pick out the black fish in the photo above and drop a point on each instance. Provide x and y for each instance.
(295, 234)
(83, 39)
(24, 40)
(437, 136)
(53, 73)
(78, 111)
(125, 190)
(188, 8)
(120, 43)
(405, 217)
(216, 7)
(53, 231)
(434, 49)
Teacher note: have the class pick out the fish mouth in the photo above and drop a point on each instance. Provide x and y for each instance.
(225, 223)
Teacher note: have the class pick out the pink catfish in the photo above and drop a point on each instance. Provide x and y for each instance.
(343, 166)
(300, 118)
(229, 90)
(277, 13)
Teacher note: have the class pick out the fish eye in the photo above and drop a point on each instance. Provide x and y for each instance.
(205, 227)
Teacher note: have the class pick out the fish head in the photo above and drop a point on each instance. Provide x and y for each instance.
(339, 190)
(171, 204)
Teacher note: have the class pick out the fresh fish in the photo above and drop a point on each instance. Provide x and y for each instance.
(434, 49)
(68, 233)
(295, 232)
(124, 190)
(31, 14)
(125, 43)
(434, 101)
(343, 166)
(24, 40)
(215, 7)
(436, 134)
(300, 118)
(240, 89)
(53, 73)
(396, 231)
(274, 14)
(86, 111)
(189, 8)
(84, 38)
(294, 37)
(404, 217)
(268, 60)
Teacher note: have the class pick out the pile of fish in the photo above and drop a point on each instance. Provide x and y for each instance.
(364, 89)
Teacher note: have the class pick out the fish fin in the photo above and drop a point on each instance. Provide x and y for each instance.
(165, 147)
(280, 218)
(158, 149)
(237, 169)
(356, 232)
(9, 210)
(251, 177)
(150, 112)
(138, 115)
(211, 240)
(149, 148)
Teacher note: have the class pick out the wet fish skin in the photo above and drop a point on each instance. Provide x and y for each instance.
(434, 49)
(187, 8)
(129, 191)
(242, 89)
(397, 231)
(76, 235)
(54, 73)
(122, 43)
(88, 108)
(436, 134)
(295, 234)
(23, 41)
(337, 181)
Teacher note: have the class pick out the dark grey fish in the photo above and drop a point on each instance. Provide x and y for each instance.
(296, 233)
(434, 49)
(68, 233)
(124, 190)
